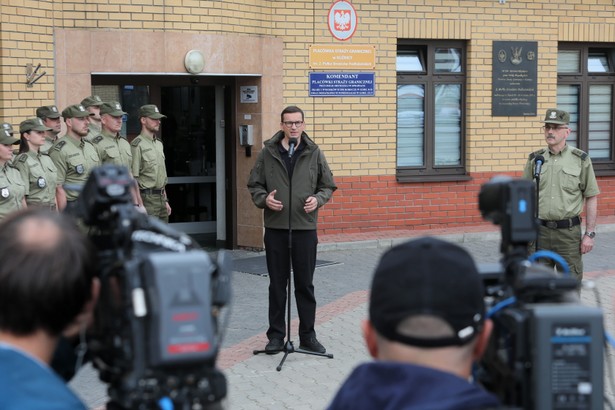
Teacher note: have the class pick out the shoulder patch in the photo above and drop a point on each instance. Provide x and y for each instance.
(579, 153)
(59, 145)
(97, 139)
(22, 157)
(135, 142)
(539, 152)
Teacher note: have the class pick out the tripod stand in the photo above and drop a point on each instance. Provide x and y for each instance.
(288, 345)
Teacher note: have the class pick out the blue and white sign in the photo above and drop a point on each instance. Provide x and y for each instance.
(342, 84)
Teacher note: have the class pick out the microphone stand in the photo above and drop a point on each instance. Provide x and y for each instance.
(537, 178)
(288, 345)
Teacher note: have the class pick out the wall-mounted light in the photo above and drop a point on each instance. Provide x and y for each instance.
(194, 62)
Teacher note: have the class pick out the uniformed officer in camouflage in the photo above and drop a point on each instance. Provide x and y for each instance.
(148, 166)
(92, 104)
(12, 187)
(51, 119)
(37, 169)
(567, 182)
(73, 156)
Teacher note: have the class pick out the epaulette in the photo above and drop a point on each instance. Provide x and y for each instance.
(22, 157)
(59, 145)
(97, 139)
(579, 153)
(135, 142)
(539, 152)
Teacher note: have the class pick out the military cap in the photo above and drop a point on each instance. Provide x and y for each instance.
(555, 116)
(32, 124)
(92, 101)
(112, 108)
(151, 111)
(75, 111)
(48, 111)
(6, 135)
(6, 129)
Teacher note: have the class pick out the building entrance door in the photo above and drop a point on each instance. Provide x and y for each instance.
(195, 160)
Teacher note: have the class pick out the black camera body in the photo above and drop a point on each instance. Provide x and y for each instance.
(546, 350)
(156, 334)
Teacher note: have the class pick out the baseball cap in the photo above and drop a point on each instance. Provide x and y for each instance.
(151, 111)
(555, 116)
(75, 111)
(48, 111)
(35, 124)
(112, 108)
(92, 101)
(427, 276)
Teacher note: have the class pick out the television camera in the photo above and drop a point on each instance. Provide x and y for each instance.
(546, 350)
(156, 332)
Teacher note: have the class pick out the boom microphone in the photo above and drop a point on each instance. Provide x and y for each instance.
(539, 160)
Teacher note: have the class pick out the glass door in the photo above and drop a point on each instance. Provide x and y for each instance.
(189, 136)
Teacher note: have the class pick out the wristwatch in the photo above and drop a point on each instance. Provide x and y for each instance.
(591, 234)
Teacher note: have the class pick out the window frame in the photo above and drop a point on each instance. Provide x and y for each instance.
(429, 79)
(584, 79)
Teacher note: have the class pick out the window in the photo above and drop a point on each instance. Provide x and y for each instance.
(586, 77)
(430, 110)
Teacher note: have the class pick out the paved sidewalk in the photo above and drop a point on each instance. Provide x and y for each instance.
(309, 382)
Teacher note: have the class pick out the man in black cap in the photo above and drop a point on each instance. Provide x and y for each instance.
(51, 119)
(426, 328)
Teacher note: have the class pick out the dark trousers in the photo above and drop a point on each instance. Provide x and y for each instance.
(304, 247)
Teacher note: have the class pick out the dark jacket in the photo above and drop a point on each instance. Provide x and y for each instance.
(396, 386)
(311, 177)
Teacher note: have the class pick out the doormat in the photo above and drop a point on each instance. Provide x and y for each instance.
(258, 265)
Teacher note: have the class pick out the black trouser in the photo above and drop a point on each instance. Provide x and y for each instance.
(304, 247)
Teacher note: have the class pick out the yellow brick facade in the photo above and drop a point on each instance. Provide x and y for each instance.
(358, 134)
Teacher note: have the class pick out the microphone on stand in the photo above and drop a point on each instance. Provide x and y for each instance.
(291, 146)
(539, 160)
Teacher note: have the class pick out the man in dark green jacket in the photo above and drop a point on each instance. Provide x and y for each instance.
(290, 181)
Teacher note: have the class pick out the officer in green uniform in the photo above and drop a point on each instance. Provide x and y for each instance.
(12, 187)
(112, 148)
(51, 118)
(148, 165)
(92, 104)
(73, 156)
(37, 169)
(567, 183)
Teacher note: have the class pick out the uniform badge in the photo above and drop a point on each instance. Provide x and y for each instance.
(41, 182)
(80, 169)
(4, 192)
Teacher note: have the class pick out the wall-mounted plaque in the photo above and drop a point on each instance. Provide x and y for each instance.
(514, 78)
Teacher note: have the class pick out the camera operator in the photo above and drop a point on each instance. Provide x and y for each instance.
(566, 182)
(426, 328)
(46, 290)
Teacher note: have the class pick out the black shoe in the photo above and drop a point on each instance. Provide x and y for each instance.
(274, 346)
(312, 344)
